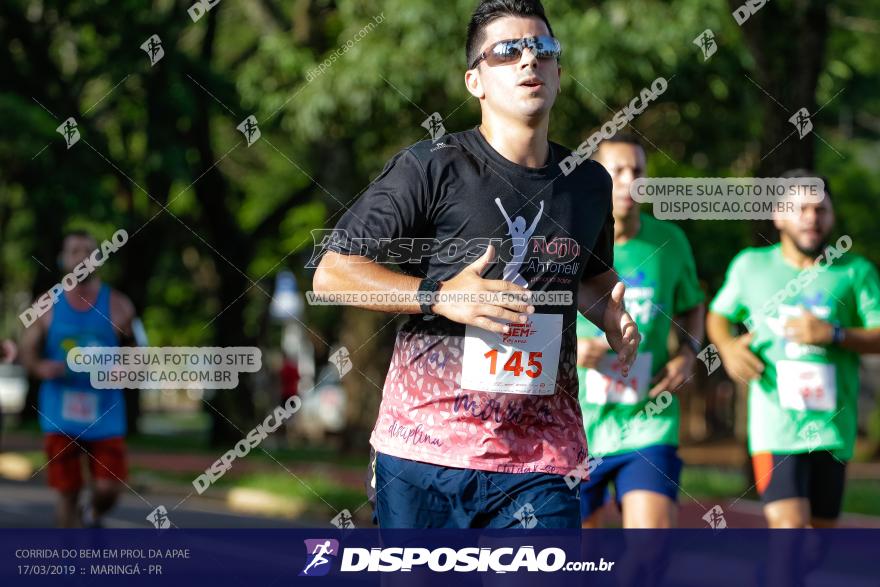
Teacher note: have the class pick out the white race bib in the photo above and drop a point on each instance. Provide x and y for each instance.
(606, 384)
(806, 386)
(525, 360)
(79, 406)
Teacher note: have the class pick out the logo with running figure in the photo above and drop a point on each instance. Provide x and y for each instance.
(811, 435)
(711, 358)
(250, 130)
(319, 554)
(706, 42)
(715, 518)
(343, 520)
(801, 121)
(434, 126)
(526, 516)
(516, 228)
(153, 49)
(69, 131)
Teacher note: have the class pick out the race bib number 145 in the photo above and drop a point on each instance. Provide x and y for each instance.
(524, 360)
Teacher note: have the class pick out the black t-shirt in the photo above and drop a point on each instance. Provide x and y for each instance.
(458, 194)
(444, 400)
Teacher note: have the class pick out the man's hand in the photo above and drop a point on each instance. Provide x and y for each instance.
(8, 351)
(808, 329)
(621, 330)
(47, 369)
(675, 372)
(739, 361)
(513, 309)
(591, 350)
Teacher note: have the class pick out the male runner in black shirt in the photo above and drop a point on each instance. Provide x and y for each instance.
(480, 421)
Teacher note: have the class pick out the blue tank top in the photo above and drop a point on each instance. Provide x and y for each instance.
(69, 404)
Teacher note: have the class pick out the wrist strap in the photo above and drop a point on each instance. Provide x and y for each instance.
(427, 287)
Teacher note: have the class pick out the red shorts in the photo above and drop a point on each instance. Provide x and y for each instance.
(105, 457)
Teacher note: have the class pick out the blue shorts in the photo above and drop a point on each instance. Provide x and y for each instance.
(410, 494)
(653, 468)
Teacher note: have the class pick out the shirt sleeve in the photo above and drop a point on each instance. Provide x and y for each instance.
(601, 257)
(395, 205)
(688, 293)
(729, 301)
(867, 291)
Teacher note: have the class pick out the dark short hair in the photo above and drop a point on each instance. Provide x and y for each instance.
(489, 10)
(803, 172)
(625, 138)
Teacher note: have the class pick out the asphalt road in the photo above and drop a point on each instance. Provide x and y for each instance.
(31, 504)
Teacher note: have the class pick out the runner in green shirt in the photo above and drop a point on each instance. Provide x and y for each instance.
(811, 307)
(632, 422)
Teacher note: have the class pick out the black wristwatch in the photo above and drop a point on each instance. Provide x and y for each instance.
(426, 288)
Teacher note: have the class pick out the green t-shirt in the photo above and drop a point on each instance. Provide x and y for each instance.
(658, 269)
(816, 406)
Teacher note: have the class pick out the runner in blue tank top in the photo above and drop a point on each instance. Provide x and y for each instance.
(78, 420)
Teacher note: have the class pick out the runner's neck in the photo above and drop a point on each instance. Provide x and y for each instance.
(522, 144)
(793, 256)
(84, 295)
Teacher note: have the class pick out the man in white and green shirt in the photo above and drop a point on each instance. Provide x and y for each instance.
(811, 308)
(632, 422)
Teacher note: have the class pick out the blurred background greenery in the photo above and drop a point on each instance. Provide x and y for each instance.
(212, 220)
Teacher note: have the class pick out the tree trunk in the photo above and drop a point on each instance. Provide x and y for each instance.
(787, 41)
(231, 411)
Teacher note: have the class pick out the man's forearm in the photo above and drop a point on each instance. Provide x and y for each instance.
(353, 273)
(718, 329)
(594, 295)
(861, 340)
(692, 325)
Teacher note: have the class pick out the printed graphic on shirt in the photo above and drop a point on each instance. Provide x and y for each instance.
(460, 396)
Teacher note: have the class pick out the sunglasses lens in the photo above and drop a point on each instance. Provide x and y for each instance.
(546, 47)
(504, 52)
(510, 51)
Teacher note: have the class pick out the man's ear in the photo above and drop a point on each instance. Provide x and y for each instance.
(474, 84)
(559, 77)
